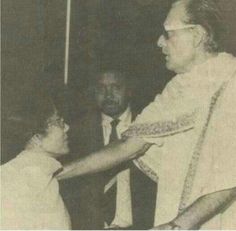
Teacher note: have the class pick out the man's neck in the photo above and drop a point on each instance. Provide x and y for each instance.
(199, 58)
(120, 116)
(38, 149)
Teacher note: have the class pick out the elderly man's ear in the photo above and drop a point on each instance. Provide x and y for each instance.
(200, 36)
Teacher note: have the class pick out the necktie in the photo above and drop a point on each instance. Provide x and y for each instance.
(110, 194)
(114, 136)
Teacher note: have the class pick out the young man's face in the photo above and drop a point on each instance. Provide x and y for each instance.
(55, 142)
(111, 94)
(178, 42)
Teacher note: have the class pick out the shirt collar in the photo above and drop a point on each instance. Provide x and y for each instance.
(125, 117)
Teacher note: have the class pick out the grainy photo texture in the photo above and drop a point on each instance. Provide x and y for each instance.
(118, 114)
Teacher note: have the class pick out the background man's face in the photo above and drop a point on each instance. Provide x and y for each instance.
(111, 94)
(178, 46)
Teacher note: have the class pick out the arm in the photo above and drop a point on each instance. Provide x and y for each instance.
(203, 209)
(106, 158)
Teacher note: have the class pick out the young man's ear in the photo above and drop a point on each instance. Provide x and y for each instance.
(36, 140)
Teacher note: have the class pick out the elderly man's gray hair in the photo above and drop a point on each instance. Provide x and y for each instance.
(208, 14)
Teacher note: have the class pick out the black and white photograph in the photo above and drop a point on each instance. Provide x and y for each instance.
(118, 115)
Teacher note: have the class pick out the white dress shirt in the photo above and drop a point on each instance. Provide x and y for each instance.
(30, 196)
(123, 215)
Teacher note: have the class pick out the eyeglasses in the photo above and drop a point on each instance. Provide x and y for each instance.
(58, 121)
(166, 33)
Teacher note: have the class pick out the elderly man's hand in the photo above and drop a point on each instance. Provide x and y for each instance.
(141, 151)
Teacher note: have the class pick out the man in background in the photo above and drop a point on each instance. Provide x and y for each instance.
(123, 197)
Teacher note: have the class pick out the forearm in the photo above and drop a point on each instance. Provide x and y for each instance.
(106, 158)
(205, 208)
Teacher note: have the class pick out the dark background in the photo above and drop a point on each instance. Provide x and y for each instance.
(104, 33)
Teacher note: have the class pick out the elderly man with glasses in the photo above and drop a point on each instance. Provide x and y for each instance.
(189, 128)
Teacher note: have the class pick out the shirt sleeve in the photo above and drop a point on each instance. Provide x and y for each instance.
(171, 112)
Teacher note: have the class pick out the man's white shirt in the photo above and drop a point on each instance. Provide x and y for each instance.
(123, 214)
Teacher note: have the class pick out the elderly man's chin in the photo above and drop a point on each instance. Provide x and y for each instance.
(171, 66)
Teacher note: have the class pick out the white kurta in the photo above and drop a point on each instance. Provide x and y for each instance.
(30, 196)
(174, 123)
(216, 170)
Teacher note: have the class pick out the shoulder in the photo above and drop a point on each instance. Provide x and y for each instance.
(21, 177)
(227, 98)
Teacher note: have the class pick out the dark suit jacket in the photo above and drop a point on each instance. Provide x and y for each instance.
(83, 195)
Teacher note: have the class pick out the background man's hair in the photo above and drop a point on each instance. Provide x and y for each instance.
(118, 73)
(208, 14)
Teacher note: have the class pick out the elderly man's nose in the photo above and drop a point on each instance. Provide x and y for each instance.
(161, 41)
